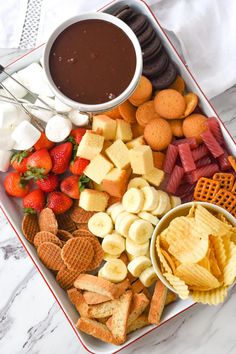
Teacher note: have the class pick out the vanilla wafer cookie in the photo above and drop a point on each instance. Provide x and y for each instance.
(45, 236)
(65, 222)
(77, 253)
(48, 221)
(30, 226)
(80, 216)
(64, 235)
(50, 255)
(66, 277)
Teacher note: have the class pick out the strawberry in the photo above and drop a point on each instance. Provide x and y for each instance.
(38, 164)
(59, 202)
(15, 185)
(43, 143)
(77, 134)
(19, 161)
(70, 186)
(48, 183)
(61, 155)
(78, 166)
(34, 201)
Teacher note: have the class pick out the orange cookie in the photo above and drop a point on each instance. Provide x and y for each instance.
(191, 103)
(137, 130)
(113, 113)
(194, 125)
(77, 253)
(30, 226)
(158, 134)
(145, 113)
(50, 255)
(176, 126)
(127, 112)
(48, 221)
(158, 159)
(169, 104)
(45, 236)
(178, 85)
(143, 91)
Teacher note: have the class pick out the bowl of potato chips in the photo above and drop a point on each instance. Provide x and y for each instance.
(193, 251)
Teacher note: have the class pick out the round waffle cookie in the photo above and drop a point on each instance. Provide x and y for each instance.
(48, 221)
(80, 216)
(82, 231)
(98, 253)
(77, 253)
(65, 222)
(50, 255)
(66, 277)
(64, 235)
(30, 226)
(45, 236)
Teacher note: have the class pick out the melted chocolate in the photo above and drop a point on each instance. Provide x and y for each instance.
(92, 61)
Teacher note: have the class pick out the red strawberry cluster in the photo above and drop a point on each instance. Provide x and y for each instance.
(39, 175)
(186, 161)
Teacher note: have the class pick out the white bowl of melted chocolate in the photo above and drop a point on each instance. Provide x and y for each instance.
(93, 62)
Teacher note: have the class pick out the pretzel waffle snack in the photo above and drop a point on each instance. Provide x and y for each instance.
(233, 190)
(50, 255)
(47, 221)
(226, 200)
(226, 180)
(30, 227)
(205, 189)
(77, 253)
(45, 236)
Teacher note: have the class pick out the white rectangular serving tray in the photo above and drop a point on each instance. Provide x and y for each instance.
(13, 211)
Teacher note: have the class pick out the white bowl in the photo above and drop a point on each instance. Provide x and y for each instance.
(180, 210)
(94, 108)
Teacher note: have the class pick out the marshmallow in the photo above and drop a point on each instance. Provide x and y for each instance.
(5, 160)
(41, 113)
(14, 87)
(34, 78)
(25, 135)
(8, 115)
(77, 118)
(6, 141)
(58, 128)
(61, 107)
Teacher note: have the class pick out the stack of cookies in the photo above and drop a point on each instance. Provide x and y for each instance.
(157, 65)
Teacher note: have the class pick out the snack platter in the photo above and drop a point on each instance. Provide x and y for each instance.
(14, 214)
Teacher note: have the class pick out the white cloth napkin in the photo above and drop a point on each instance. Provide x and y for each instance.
(206, 30)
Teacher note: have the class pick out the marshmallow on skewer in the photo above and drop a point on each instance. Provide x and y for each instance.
(77, 118)
(6, 141)
(25, 135)
(58, 128)
(5, 160)
(16, 89)
(61, 107)
(34, 78)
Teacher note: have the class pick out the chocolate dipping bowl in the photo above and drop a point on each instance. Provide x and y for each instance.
(73, 99)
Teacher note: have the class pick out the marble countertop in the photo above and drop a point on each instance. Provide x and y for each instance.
(31, 321)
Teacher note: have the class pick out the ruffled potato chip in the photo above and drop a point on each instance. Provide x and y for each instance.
(170, 260)
(179, 285)
(162, 259)
(219, 250)
(214, 267)
(230, 268)
(213, 297)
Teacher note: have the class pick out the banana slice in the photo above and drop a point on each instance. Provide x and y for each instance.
(133, 200)
(119, 219)
(100, 224)
(148, 276)
(137, 182)
(124, 223)
(150, 198)
(136, 249)
(114, 210)
(140, 231)
(148, 217)
(163, 200)
(113, 244)
(174, 201)
(168, 207)
(113, 270)
(138, 265)
(108, 256)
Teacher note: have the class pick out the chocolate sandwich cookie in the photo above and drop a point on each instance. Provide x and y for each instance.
(124, 13)
(157, 65)
(137, 23)
(154, 54)
(151, 47)
(146, 36)
(166, 78)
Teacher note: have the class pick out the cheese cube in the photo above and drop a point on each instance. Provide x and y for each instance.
(141, 159)
(154, 177)
(98, 168)
(123, 130)
(106, 125)
(91, 145)
(115, 182)
(91, 200)
(118, 153)
(135, 142)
